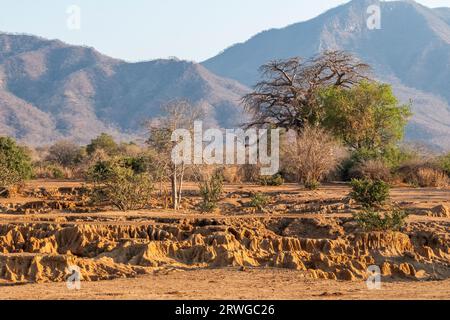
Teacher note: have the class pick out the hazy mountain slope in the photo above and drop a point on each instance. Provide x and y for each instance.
(443, 13)
(50, 90)
(412, 47)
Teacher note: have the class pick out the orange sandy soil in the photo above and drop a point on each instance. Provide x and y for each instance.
(208, 282)
(230, 283)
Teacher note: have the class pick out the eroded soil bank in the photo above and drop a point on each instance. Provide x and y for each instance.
(304, 239)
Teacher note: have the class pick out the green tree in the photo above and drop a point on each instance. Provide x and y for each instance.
(15, 164)
(104, 142)
(367, 117)
(117, 183)
(65, 153)
(444, 162)
(287, 95)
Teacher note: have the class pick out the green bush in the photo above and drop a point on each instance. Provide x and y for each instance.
(139, 164)
(370, 220)
(103, 142)
(312, 184)
(369, 193)
(444, 163)
(259, 201)
(56, 172)
(391, 157)
(211, 191)
(101, 171)
(276, 180)
(121, 186)
(15, 164)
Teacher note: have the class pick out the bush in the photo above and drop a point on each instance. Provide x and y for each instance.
(65, 154)
(312, 157)
(371, 169)
(365, 163)
(312, 185)
(369, 193)
(423, 174)
(259, 201)
(444, 163)
(15, 164)
(103, 142)
(211, 191)
(370, 220)
(276, 180)
(120, 186)
(51, 172)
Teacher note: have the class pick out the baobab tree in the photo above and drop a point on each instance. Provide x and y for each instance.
(287, 97)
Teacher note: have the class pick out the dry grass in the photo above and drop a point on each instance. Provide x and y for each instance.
(423, 174)
(371, 169)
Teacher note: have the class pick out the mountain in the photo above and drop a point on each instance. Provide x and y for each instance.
(443, 13)
(50, 90)
(411, 51)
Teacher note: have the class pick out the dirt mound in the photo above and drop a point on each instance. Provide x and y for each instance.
(317, 246)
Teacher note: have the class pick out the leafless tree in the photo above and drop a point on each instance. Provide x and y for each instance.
(179, 114)
(287, 97)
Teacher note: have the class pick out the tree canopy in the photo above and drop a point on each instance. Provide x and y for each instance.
(287, 95)
(365, 117)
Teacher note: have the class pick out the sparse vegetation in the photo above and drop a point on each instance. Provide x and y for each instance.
(370, 220)
(275, 180)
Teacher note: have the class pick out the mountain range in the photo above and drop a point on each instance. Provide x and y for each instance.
(411, 51)
(50, 90)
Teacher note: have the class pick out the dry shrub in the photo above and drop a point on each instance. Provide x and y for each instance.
(251, 172)
(423, 174)
(312, 156)
(371, 169)
(53, 172)
(428, 177)
(232, 174)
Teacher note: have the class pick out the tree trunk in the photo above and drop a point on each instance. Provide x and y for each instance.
(180, 188)
(174, 188)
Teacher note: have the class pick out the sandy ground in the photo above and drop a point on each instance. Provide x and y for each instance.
(212, 284)
(228, 283)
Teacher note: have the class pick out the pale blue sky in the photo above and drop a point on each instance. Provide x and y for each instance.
(137, 30)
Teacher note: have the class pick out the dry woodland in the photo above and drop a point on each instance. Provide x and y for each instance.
(350, 194)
